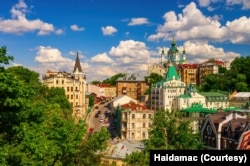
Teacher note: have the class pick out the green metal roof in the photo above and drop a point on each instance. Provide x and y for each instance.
(173, 49)
(211, 94)
(185, 96)
(231, 109)
(198, 108)
(172, 73)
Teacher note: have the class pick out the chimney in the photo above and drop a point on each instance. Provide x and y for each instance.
(234, 115)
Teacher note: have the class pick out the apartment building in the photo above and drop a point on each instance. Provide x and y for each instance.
(133, 85)
(134, 121)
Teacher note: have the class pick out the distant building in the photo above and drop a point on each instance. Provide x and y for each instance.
(116, 152)
(157, 68)
(120, 100)
(223, 131)
(216, 99)
(133, 86)
(107, 90)
(164, 93)
(240, 99)
(209, 67)
(133, 121)
(74, 85)
(188, 73)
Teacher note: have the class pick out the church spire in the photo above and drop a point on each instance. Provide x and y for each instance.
(77, 64)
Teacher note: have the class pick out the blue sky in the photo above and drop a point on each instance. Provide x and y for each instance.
(114, 36)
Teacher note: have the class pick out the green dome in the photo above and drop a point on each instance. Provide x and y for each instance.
(173, 49)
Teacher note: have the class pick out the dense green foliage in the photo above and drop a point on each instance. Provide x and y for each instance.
(112, 80)
(36, 126)
(236, 78)
(4, 59)
(152, 79)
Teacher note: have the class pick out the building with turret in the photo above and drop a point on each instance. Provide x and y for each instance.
(74, 85)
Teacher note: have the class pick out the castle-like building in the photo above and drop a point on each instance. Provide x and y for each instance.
(74, 85)
(189, 73)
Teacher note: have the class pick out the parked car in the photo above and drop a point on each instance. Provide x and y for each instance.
(99, 112)
(96, 115)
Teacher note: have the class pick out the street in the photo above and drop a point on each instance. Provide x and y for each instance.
(100, 117)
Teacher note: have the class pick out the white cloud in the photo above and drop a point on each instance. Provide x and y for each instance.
(59, 31)
(102, 58)
(201, 51)
(49, 54)
(245, 3)
(108, 30)
(240, 31)
(204, 3)
(138, 21)
(76, 28)
(19, 24)
(193, 25)
(49, 58)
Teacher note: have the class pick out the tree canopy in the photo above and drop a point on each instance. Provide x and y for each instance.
(236, 78)
(36, 126)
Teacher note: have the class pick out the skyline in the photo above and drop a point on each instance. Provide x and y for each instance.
(121, 36)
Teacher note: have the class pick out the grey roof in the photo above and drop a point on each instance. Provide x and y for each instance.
(77, 64)
(132, 77)
(242, 94)
(121, 149)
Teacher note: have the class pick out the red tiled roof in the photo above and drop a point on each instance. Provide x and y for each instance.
(133, 106)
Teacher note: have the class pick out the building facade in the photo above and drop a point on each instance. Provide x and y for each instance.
(134, 121)
(188, 73)
(223, 131)
(164, 94)
(133, 86)
(74, 85)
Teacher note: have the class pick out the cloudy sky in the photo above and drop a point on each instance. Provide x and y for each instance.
(121, 36)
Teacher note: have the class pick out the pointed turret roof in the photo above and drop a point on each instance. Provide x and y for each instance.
(77, 64)
(172, 73)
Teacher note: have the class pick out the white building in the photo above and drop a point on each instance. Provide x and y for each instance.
(135, 122)
(164, 93)
(120, 100)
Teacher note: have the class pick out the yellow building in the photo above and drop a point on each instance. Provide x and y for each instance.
(74, 85)
(109, 91)
(136, 120)
(157, 68)
(188, 73)
(133, 86)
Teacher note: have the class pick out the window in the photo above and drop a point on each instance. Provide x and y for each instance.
(143, 135)
(56, 81)
(149, 116)
(62, 81)
(67, 89)
(77, 103)
(76, 96)
(133, 125)
(133, 135)
(67, 96)
(71, 96)
(133, 116)
(76, 88)
(144, 116)
(144, 125)
(71, 88)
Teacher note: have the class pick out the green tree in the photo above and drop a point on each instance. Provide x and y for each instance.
(171, 131)
(96, 82)
(36, 126)
(112, 80)
(91, 100)
(4, 58)
(152, 79)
